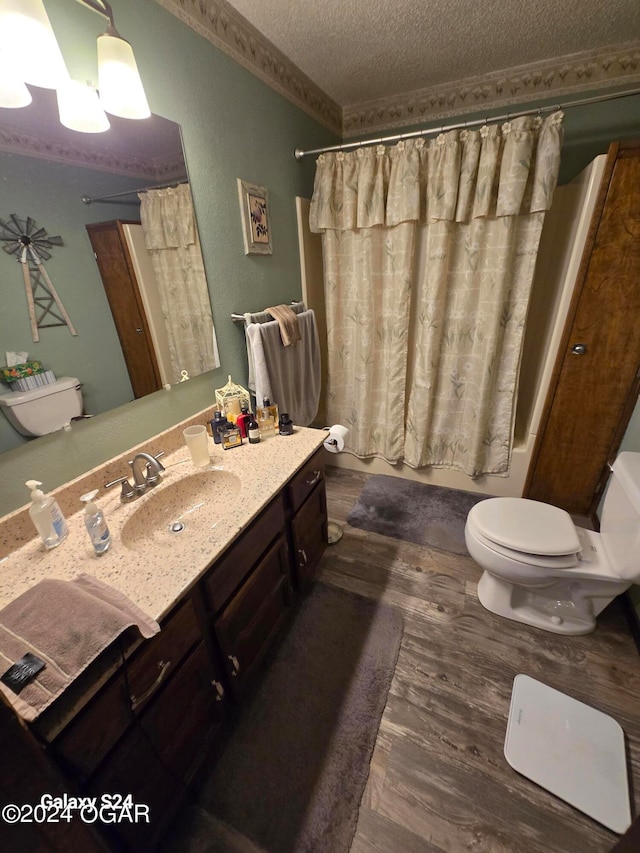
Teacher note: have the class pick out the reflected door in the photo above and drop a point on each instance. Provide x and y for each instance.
(125, 301)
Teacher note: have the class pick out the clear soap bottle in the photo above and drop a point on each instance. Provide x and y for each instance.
(47, 516)
(95, 523)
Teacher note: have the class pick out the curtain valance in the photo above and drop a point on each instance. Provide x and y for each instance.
(168, 218)
(495, 171)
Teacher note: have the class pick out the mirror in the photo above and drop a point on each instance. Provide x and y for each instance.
(45, 170)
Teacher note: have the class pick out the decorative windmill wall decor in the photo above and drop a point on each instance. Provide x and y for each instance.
(30, 245)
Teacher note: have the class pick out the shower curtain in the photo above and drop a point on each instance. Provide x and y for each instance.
(425, 371)
(171, 236)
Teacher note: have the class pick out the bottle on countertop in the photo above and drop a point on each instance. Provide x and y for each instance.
(243, 419)
(267, 417)
(286, 424)
(230, 437)
(95, 523)
(47, 516)
(253, 431)
(218, 423)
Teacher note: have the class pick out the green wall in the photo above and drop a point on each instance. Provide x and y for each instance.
(234, 126)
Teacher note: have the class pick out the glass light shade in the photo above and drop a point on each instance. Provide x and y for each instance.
(121, 90)
(29, 44)
(13, 92)
(80, 109)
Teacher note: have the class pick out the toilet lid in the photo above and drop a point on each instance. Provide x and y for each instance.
(527, 526)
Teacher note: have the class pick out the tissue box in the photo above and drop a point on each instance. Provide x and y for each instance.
(21, 371)
(29, 383)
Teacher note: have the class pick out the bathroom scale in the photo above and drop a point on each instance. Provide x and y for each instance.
(570, 749)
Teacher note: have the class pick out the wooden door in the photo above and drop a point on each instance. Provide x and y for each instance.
(596, 379)
(119, 280)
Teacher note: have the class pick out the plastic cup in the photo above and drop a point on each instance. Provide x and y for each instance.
(196, 440)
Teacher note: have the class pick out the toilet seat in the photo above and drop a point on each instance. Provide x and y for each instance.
(560, 561)
(526, 528)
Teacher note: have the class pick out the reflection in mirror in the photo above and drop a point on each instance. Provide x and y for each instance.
(45, 170)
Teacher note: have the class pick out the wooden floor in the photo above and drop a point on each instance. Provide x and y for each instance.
(439, 780)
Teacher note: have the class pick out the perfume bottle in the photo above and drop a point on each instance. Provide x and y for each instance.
(243, 419)
(286, 424)
(253, 431)
(267, 417)
(218, 424)
(230, 437)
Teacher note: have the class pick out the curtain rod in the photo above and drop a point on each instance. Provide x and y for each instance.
(299, 153)
(90, 200)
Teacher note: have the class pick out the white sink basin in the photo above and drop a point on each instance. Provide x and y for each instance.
(187, 507)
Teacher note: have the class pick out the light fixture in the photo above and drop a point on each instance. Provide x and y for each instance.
(13, 92)
(29, 44)
(80, 109)
(31, 52)
(121, 90)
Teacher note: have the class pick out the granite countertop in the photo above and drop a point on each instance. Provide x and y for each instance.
(146, 562)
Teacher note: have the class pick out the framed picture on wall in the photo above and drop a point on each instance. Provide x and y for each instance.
(254, 211)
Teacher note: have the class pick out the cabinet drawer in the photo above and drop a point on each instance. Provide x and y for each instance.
(93, 732)
(229, 572)
(159, 658)
(247, 626)
(304, 481)
(187, 714)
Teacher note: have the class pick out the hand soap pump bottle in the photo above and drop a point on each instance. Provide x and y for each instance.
(95, 523)
(46, 516)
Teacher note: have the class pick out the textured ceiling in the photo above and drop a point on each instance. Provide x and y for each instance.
(360, 50)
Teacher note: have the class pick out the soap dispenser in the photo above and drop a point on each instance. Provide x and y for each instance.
(95, 523)
(47, 516)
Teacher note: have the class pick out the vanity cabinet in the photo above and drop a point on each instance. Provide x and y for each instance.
(147, 729)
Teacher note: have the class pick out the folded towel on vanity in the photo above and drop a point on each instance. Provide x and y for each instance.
(288, 323)
(66, 624)
(289, 376)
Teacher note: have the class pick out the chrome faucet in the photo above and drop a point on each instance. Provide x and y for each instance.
(146, 470)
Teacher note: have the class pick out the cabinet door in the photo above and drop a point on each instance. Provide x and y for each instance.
(250, 622)
(187, 715)
(136, 769)
(309, 535)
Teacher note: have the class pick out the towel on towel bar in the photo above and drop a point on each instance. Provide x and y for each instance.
(288, 322)
(262, 317)
(67, 624)
(289, 376)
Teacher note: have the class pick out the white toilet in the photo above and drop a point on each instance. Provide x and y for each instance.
(45, 409)
(540, 569)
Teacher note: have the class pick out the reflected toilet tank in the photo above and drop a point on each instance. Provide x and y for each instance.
(43, 410)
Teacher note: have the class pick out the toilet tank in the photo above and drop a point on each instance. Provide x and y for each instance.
(620, 524)
(44, 409)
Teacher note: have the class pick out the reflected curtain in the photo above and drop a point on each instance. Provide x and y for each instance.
(472, 203)
(171, 236)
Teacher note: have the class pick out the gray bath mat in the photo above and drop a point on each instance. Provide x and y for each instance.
(415, 512)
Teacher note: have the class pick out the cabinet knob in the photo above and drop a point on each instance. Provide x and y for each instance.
(578, 349)
(234, 664)
(219, 690)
